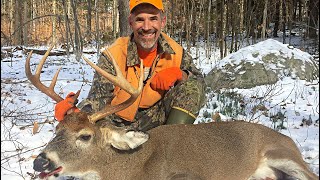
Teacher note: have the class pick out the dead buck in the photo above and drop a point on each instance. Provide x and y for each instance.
(91, 149)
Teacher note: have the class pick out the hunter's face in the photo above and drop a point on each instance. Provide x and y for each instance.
(146, 23)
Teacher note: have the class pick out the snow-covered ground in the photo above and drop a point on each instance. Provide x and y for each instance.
(22, 104)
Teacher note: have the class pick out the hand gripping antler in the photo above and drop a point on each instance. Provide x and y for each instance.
(118, 80)
(35, 79)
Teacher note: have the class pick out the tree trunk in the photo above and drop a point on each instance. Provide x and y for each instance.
(123, 9)
(220, 28)
(67, 24)
(276, 19)
(115, 18)
(238, 23)
(313, 14)
(77, 32)
(173, 10)
(54, 22)
(248, 20)
(17, 33)
(208, 32)
(26, 26)
(96, 17)
(89, 17)
(189, 21)
(300, 11)
(290, 18)
(264, 21)
(193, 29)
(33, 15)
(226, 29)
(284, 19)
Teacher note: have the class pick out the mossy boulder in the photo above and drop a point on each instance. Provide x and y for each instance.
(261, 64)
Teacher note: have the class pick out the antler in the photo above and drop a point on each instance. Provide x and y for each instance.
(35, 79)
(118, 80)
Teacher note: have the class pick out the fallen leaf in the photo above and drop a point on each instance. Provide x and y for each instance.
(216, 117)
(35, 127)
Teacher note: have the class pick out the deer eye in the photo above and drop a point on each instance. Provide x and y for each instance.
(85, 137)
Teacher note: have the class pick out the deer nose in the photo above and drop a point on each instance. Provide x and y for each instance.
(41, 163)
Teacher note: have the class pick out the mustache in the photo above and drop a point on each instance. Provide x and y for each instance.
(150, 31)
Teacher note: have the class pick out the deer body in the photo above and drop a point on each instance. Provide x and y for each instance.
(227, 150)
(90, 148)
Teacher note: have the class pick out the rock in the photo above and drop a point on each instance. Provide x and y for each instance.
(262, 64)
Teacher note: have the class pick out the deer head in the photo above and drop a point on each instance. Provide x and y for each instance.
(92, 149)
(81, 126)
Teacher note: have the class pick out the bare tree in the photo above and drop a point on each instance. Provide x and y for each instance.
(219, 26)
(313, 21)
(276, 19)
(54, 22)
(123, 17)
(96, 17)
(264, 22)
(208, 30)
(25, 32)
(89, 17)
(188, 21)
(115, 17)
(67, 26)
(17, 19)
(78, 42)
(284, 20)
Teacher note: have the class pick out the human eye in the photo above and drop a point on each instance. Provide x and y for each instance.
(139, 19)
(154, 18)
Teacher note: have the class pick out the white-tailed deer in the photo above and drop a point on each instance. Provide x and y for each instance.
(90, 148)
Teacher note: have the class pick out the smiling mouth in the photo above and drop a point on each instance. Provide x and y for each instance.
(147, 36)
(44, 175)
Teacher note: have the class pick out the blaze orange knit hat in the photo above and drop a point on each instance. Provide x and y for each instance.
(156, 3)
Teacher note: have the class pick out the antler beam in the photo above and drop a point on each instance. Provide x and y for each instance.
(35, 79)
(118, 80)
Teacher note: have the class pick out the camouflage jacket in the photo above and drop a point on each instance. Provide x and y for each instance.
(101, 92)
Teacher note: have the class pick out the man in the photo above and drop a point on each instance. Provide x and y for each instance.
(173, 87)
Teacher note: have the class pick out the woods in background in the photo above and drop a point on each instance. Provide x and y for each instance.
(226, 24)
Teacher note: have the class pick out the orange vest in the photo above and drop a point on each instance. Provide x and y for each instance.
(148, 96)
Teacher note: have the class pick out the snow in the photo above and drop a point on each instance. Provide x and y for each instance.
(254, 54)
(22, 104)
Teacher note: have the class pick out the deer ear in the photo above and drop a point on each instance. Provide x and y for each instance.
(128, 140)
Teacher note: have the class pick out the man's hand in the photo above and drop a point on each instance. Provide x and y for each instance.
(166, 78)
(65, 107)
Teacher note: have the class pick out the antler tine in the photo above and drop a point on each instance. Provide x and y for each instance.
(35, 79)
(118, 80)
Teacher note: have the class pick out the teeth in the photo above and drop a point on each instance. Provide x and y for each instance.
(147, 35)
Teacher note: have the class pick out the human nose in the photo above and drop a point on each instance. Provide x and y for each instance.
(146, 25)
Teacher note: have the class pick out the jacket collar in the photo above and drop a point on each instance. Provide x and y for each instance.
(132, 52)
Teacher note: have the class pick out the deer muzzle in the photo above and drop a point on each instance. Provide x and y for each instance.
(45, 166)
(41, 163)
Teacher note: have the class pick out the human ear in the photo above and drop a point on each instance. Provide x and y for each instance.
(130, 20)
(163, 22)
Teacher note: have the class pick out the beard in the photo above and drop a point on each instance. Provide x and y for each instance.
(147, 43)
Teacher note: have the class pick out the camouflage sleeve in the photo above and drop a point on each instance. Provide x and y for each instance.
(187, 64)
(101, 92)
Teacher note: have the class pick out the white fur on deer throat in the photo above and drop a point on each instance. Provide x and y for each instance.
(123, 140)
